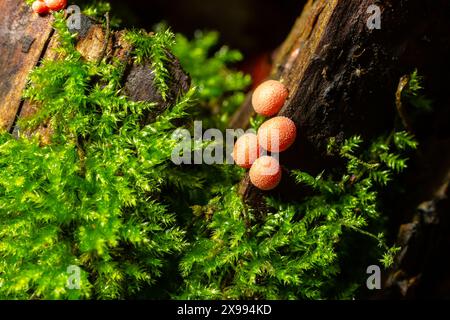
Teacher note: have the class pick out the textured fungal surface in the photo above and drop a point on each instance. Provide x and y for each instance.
(265, 173)
(269, 98)
(277, 134)
(56, 5)
(39, 7)
(246, 150)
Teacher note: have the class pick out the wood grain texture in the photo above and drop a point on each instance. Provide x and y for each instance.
(93, 44)
(342, 78)
(23, 37)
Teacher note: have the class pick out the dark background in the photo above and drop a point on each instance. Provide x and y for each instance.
(251, 26)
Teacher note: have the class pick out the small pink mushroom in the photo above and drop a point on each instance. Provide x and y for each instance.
(277, 134)
(269, 97)
(265, 173)
(39, 7)
(246, 150)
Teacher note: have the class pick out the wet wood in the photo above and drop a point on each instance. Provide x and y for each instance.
(23, 39)
(342, 77)
(26, 39)
(90, 43)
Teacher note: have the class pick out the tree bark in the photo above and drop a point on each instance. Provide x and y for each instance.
(342, 78)
(26, 39)
(341, 75)
(23, 38)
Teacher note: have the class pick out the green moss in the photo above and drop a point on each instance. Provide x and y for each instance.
(219, 88)
(91, 197)
(414, 93)
(100, 196)
(296, 250)
(155, 48)
(105, 196)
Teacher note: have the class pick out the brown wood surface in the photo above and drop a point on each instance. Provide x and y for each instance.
(23, 38)
(341, 76)
(90, 44)
(27, 38)
(343, 79)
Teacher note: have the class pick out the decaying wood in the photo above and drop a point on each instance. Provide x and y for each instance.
(91, 44)
(340, 76)
(26, 39)
(422, 267)
(139, 84)
(343, 78)
(23, 39)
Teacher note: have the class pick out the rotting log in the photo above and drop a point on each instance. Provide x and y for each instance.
(343, 78)
(26, 39)
(23, 39)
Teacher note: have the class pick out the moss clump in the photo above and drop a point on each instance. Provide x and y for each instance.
(219, 89)
(91, 197)
(296, 250)
(105, 197)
